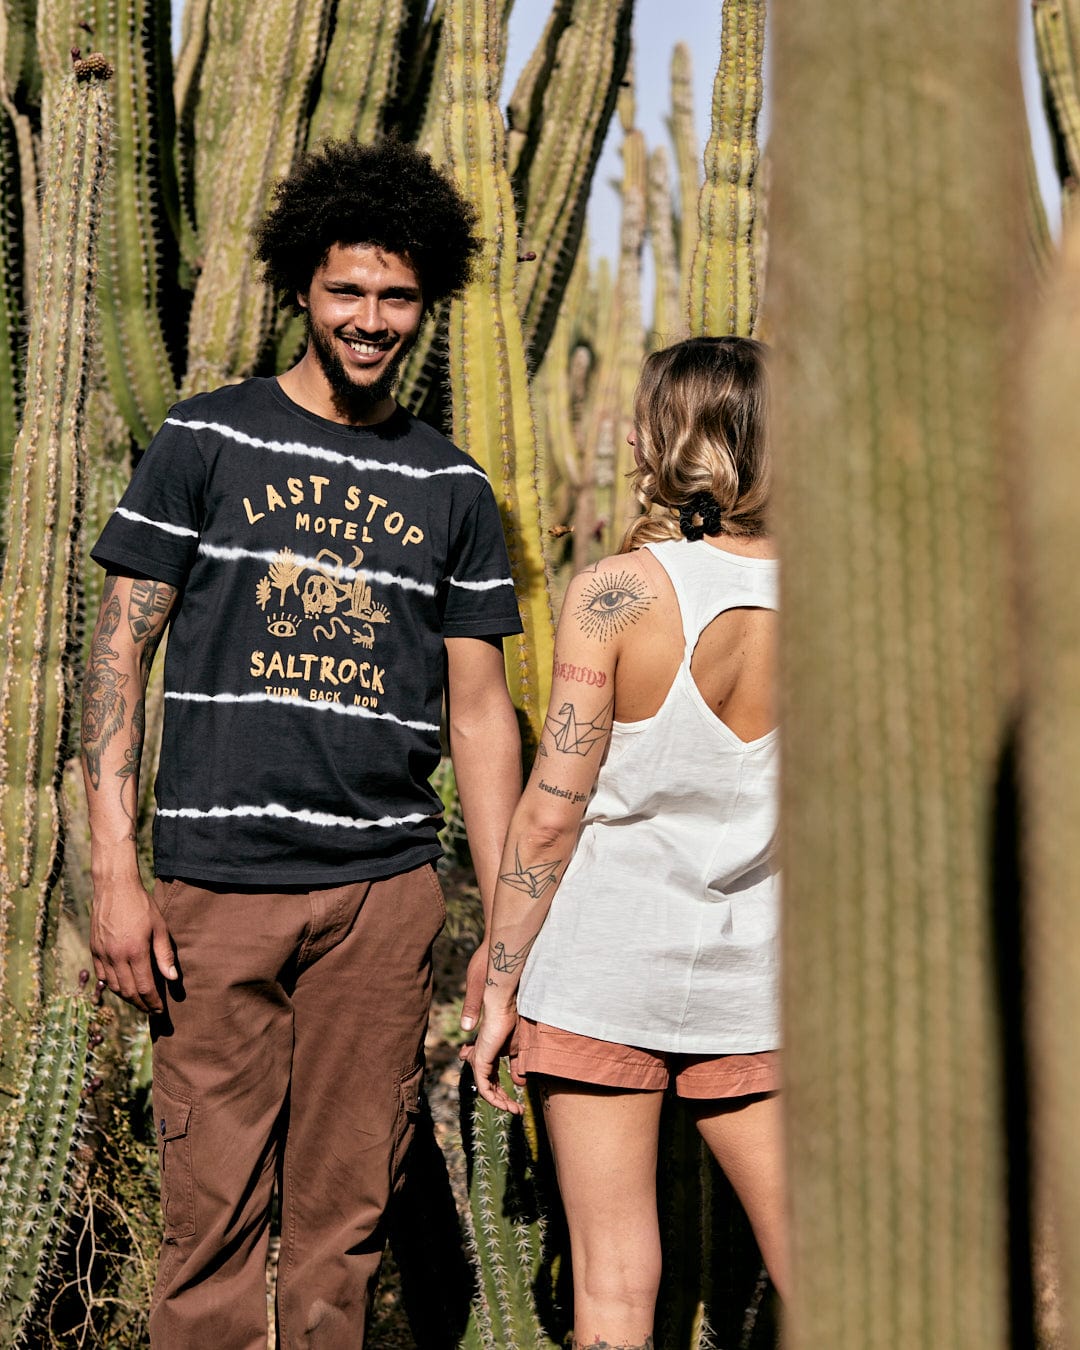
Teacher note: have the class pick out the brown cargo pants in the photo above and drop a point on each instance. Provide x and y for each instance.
(292, 1046)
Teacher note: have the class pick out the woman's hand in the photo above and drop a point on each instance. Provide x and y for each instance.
(493, 1041)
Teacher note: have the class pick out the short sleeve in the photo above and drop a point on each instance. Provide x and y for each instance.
(155, 527)
(479, 596)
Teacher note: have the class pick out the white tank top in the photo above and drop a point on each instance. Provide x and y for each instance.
(664, 932)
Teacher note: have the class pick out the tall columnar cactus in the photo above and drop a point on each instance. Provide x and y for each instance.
(139, 293)
(232, 311)
(11, 297)
(488, 376)
(893, 293)
(1057, 37)
(40, 586)
(722, 287)
(599, 517)
(1049, 619)
(687, 154)
(39, 1162)
(555, 166)
(668, 324)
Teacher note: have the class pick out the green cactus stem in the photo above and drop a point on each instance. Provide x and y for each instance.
(668, 323)
(361, 72)
(11, 294)
(524, 105)
(555, 168)
(209, 73)
(40, 1162)
(139, 259)
(1049, 620)
(40, 586)
(1057, 44)
(722, 295)
(893, 432)
(687, 155)
(505, 1230)
(603, 508)
(232, 311)
(488, 376)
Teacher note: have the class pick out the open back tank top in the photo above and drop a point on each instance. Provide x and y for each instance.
(663, 933)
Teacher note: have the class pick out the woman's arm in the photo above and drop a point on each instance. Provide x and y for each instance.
(544, 827)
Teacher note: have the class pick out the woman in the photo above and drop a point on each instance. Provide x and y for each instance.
(637, 901)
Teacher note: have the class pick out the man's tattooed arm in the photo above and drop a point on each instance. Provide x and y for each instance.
(132, 621)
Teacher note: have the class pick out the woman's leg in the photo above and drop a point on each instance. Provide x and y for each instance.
(604, 1142)
(745, 1135)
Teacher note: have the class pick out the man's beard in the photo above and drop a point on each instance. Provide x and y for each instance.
(356, 402)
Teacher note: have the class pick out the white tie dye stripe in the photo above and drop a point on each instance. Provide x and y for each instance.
(321, 453)
(316, 705)
(233, 554)
(481, 585)
(157, 524)
(279, 812)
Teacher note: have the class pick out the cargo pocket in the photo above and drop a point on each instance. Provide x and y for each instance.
(410, 1104)
(172, 1113)
(437, 895)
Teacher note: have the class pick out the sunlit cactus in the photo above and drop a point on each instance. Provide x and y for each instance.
(570, 111)
(722, 294)
(42, 574)
(488, 375)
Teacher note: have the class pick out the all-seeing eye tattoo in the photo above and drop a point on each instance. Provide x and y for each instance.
(611, 602)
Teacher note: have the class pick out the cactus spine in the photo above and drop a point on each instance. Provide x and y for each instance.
(40, 587)
(39, 1161)
(488, 377)
(892, 435)
(722, 296)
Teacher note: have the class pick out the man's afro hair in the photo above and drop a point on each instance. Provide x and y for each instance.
(389, 195)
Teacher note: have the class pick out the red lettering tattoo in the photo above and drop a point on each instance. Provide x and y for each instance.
(582, 674)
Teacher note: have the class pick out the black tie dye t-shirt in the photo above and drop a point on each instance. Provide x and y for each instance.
(319, 568)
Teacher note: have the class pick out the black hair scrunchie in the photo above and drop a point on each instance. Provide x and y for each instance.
(705, 505)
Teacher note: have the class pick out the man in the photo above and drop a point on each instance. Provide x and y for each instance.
(326, 564)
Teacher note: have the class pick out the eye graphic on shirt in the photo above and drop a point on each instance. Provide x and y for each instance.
(610, 603)
(283, 625)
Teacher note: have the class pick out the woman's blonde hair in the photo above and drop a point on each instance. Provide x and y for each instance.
(700, 428)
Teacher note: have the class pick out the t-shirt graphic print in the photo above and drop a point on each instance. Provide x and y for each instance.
(319, 569)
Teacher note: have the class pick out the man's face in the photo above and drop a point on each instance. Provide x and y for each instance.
(364, 308)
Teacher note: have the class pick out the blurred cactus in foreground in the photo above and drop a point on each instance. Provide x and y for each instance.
(893, 296)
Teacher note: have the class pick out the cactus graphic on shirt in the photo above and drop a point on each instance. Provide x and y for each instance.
(333, 591)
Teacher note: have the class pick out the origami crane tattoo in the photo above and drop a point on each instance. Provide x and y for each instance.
(533, 880)
(575, 737)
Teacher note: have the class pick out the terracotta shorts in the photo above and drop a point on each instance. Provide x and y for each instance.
(539, 1048)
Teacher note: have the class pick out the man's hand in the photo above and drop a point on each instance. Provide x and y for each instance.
(128, 939)
(474, 987)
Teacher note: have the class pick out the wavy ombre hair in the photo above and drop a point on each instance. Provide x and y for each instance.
(700, 423)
